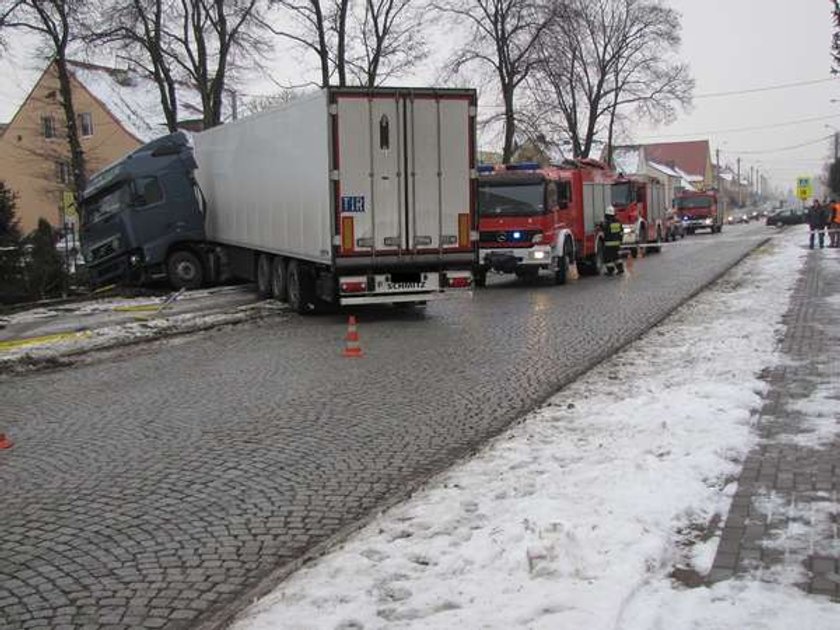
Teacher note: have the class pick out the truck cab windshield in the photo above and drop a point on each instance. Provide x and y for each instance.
(622, 194)
(693, 202)
(104, 203)
(511, 199)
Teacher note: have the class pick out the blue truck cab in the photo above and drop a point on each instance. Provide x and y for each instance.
(143, 218)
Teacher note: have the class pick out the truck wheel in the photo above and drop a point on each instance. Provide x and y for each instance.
(658, 247)
(561, 269)
(278, 279)
(297, 287)
(480, 278)
(184, 270)
(595, 263)
(527, 274)
(264, 276)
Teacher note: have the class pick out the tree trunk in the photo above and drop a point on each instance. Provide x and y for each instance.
(77, 156)
(510, 125)
(341, 53)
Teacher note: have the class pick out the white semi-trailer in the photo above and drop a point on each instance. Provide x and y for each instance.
(346, 196)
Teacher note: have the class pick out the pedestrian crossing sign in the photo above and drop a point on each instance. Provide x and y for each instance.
(804, 188)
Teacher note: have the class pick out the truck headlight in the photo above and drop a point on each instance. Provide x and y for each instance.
(708, 221)
(628, 229)
(539, 255)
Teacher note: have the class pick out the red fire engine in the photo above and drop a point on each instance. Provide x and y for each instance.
(699, 210)
(640, 205)
(533, 218)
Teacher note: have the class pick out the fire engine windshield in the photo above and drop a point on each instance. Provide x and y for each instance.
(693, 202)
(510, 199)
(622, 194)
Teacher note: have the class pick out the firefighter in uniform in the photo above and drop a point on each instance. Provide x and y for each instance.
(613, 232)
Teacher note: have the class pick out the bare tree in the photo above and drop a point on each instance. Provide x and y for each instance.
(504, 36)
(319, 29)
(187, 43)
(139, 30)
(607, 57)
(835, 36)
(54, 22)
(389, 40)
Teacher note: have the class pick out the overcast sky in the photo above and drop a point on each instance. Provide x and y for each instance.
(731, 45)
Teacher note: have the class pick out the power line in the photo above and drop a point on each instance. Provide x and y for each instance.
(790, 148)
(791, 123)
(767, 88)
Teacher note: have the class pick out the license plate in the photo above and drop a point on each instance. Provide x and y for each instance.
(402, 286)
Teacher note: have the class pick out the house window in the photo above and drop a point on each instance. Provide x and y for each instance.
(85, 124)
(48, 126)
(62, 172)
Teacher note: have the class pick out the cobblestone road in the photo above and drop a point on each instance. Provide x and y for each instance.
(154, 489)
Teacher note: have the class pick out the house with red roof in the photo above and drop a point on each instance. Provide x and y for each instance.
(693, 159)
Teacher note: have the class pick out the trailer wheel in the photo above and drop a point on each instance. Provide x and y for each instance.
(298, 287)
(264, 276)
(184, 270)
(278, 279)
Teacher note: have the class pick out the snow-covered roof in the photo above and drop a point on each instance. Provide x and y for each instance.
(665, 170)
(134, 100)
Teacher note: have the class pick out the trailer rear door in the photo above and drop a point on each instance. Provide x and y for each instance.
(404, 162)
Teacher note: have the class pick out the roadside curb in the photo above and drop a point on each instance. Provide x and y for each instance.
(48, 357)
(220, 618)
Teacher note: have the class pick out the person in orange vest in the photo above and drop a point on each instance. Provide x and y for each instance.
(834, 225)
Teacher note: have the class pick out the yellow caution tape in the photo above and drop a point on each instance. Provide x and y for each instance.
(138, 307)
(14, 344)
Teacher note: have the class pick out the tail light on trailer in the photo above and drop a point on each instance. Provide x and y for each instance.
(459, 280)
(353, 285)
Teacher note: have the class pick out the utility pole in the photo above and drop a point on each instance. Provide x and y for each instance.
(740, 203)
(836, 140)
(717, 159)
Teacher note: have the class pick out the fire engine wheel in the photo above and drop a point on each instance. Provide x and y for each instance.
(264, 276)
(184, 270)
(595, 263)
(658, 247)
(528, 274)
(561, 269)
(278, 279)
(480, 278)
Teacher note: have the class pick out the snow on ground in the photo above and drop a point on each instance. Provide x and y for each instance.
(575, 517)
(106, 305)
(147, 326)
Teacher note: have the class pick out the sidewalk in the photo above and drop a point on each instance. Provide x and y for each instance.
(785, 515)
(587, 512)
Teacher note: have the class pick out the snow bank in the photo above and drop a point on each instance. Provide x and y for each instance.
(575, 517)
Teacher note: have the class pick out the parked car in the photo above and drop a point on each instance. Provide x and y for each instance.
(787, 216)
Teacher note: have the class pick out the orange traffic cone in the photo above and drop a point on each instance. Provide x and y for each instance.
(352, 348)
(5, 442)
